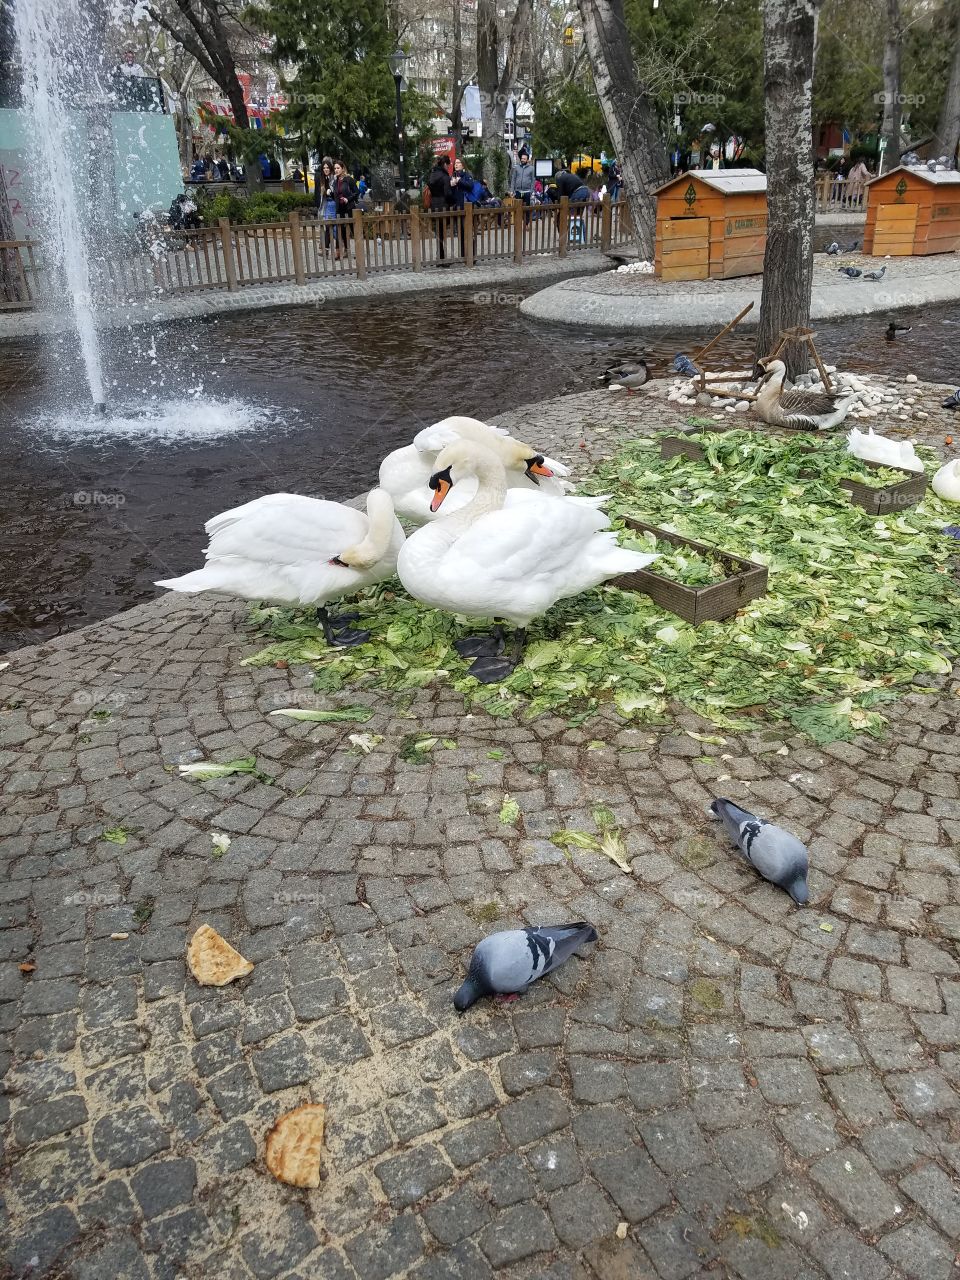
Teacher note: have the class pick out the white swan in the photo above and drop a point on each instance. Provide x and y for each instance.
(507, 554)
(294, 550)
(891, 453)
(946, 483)
(405, 473)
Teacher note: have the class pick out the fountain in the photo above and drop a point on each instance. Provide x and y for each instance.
(62, 62)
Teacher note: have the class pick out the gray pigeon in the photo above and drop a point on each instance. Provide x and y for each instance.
(506, 963)
(876, 275)
(851, 273)
(833, 249)
(776, 854)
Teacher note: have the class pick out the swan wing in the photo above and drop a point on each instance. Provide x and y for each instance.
(309, 530)
(449, 430)
(527, 539)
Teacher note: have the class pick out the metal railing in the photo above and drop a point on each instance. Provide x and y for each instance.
(236, 256)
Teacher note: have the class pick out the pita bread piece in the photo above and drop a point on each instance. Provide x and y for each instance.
(295, 1144)
(212, 960)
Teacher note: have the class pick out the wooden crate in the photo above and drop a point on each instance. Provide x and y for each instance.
(892, 497)
(670, 446)
(712, 603)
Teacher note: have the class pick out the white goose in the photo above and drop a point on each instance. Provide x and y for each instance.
(507, 554)
(889, 453)
(946, 483)
(294, 550)
(405, 473)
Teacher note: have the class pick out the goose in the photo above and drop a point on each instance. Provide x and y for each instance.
(508, 554)
(946, 483)
(292, 550)
(405, 473)
(890, 453)
(804, 410)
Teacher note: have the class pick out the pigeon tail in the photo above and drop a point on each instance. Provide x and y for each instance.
(732, 817)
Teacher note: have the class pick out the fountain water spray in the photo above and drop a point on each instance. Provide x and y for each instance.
(61, 52)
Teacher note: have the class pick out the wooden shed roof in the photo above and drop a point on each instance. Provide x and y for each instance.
(730, 182)
(942, 177)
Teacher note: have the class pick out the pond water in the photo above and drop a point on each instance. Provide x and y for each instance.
(306, 399)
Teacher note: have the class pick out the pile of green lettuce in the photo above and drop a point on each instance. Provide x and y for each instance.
(858, 606)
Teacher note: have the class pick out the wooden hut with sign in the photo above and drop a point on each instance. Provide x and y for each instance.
(711, 224)
(912, 211)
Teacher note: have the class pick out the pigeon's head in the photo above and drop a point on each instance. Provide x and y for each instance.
(798, 891)
(469, 993)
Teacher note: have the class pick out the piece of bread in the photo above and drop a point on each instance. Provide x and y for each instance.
(212, 960)
(295, 1143)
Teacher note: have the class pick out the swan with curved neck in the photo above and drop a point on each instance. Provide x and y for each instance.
(405, 473)
(291, 550)
(505, 555)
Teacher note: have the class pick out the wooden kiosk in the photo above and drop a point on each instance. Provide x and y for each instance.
(711, 224)
(912, 211)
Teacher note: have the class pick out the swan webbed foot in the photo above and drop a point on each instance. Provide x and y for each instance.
(478, 647)
(493, 670)
(490, 670)
(346, 637)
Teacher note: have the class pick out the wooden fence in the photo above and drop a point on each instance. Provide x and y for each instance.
(838, 195)
(300, 250)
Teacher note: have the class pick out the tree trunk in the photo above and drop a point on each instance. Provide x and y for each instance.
(456, 89)
(892, 107)
(629, 116)
(495, 85)
(948, 126)
(789, 38)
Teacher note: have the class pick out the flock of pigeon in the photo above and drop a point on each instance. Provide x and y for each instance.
(504, 964)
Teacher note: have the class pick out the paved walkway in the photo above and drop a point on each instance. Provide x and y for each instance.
(637, 302)
(736, 1087)
(502, 275)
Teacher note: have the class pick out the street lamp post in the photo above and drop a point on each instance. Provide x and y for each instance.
(398, 62)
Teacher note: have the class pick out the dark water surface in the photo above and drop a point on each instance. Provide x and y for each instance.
(92, 515)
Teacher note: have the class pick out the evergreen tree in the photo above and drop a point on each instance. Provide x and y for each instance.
(340, 89)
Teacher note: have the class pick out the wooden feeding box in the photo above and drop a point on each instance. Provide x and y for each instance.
(684, 444)
(711, 224)
(891, 497)
(710, 603)
(911, 212)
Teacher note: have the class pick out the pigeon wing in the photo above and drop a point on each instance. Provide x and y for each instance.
(559, 942)
(777, 855)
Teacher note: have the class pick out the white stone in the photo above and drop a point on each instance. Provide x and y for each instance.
(742, 406)
(911, 377)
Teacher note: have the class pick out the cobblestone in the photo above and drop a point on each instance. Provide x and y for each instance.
(718, 1066)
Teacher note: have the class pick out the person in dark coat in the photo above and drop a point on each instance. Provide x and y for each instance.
(345, 196)
(462, 183)
(569, 185)
(443, 198)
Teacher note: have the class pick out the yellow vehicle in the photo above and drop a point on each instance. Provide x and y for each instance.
(586, 162)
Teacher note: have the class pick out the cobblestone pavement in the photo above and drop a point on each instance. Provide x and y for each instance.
(744, 1088)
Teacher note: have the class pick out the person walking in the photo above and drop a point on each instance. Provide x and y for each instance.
(323, 197)
(522, 177)
(442, 200)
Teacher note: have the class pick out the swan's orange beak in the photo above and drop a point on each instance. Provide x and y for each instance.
(441, 489)
(535, 467)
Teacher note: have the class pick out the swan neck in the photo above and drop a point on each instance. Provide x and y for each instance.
(490, 496)
(374, 545)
